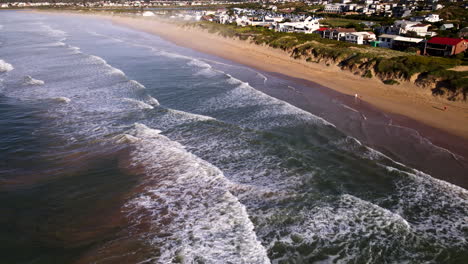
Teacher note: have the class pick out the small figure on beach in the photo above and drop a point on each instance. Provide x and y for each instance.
(356, 98)
(445, 107)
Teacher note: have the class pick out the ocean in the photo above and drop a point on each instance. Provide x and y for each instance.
(117, 146)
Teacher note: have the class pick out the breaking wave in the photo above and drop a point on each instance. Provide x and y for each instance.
(185, 200)
(28, 80)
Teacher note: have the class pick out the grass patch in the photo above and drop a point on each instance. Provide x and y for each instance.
(391, 82)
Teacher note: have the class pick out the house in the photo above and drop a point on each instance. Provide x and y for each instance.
(360, 37)
(337, 33)
(333, 8)
(309, 25)
(432, 18)
(404, 43)
(446, 26)
(439, 46)
(320, 31)
(405, 27)
(398, 42)
(386, 40)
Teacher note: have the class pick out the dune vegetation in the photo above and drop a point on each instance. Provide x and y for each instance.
(390, 66)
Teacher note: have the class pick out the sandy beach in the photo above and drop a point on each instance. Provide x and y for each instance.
(406, 99)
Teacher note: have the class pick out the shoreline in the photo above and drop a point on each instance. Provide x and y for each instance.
(413, 108)
(406, 99)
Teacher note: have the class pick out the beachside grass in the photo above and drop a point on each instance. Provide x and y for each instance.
(339, 22)
(388, 65)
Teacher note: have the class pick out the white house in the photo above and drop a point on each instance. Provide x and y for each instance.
(389, 41)
(404, 27)
(308, 26)
(447, 26)
(386, 40)
(432, 18)
(334, 8)
(360, 37)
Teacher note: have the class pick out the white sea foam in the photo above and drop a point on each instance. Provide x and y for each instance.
(442, 207)
(427, 141)
(117, 71)
(152, 101)
(137, 84)
(232, 80)
(206, 71)
(112, 70)
(171, 54)
(55, 44)
(28, 80)
(5, 66)
(97, 59)
(62, 99)
(192, 116)
(191, 215)
(140, 104)
(350, 108)
(245, 95)
(199, 63)
(76, 50)
(54, 32)
(348, 221)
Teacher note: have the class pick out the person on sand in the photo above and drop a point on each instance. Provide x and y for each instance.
(445, 107)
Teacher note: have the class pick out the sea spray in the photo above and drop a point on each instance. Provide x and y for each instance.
(5, 66)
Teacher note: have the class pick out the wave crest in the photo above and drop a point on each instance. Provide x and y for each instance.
(5, 66)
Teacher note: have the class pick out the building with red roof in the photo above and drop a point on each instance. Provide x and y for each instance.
(440, 46)
(320, 31)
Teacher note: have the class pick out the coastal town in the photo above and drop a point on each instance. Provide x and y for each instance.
(429, 27)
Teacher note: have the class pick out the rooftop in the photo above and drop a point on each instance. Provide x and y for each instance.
(445, 41)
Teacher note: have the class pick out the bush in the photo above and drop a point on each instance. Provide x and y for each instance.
(367, 74)
(391, 82)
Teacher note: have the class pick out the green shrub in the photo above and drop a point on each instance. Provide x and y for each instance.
(367, 74)
(391, 82)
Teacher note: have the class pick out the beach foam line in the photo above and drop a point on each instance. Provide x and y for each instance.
(185, 201)
(112, 70)
(265, 79)
(287, 108)
(454, 155)
(5, 66)
(53, 32)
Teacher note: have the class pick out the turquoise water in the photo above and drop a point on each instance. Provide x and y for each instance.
(119, 147)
